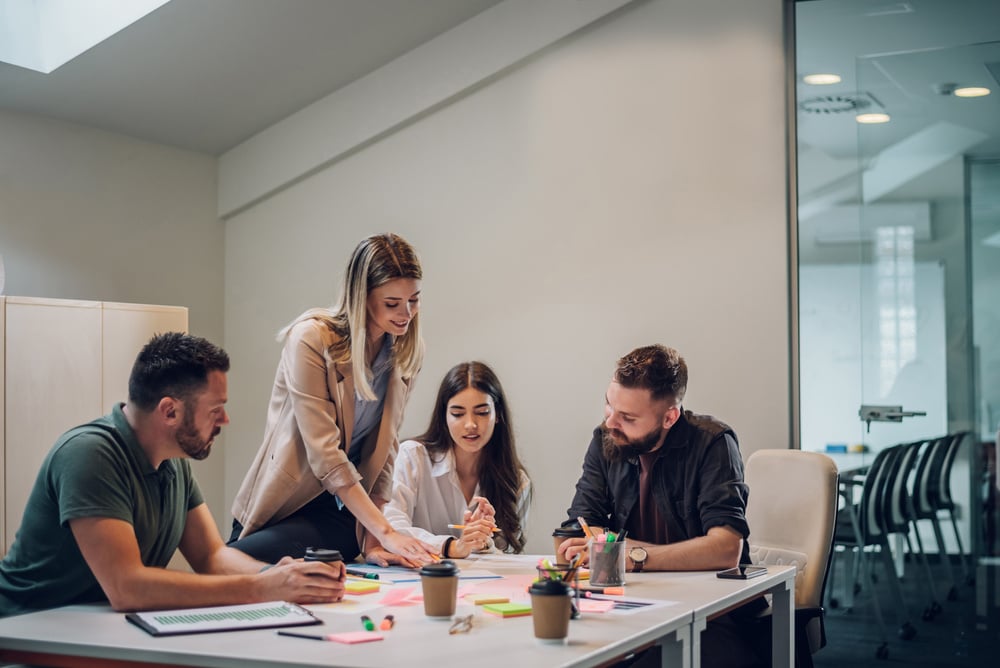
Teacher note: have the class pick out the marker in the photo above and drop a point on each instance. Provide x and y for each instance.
(362, 574)
(367, 622)
(610, 591)
(387, 623)
(462, 526)
(311, 636)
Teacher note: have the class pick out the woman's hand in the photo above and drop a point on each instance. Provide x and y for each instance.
(483, 509)
(398, 548)
(475, 536)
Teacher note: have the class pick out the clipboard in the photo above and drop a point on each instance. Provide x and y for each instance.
(266, 615)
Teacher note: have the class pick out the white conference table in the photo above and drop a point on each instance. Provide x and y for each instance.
(93, 635)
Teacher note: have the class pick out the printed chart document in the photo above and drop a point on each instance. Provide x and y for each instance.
(222, 618)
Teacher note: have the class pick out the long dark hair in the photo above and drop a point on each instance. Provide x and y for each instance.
(500, 469)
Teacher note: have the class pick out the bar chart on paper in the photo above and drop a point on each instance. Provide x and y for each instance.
(222, 618)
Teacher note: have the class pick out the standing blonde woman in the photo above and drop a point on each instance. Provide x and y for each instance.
(324, 470)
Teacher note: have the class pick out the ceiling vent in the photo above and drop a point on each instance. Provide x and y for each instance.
(842, 103)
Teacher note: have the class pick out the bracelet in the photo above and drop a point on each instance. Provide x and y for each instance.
(447, 545)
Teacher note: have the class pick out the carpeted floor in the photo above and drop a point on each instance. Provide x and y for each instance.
(966, 631)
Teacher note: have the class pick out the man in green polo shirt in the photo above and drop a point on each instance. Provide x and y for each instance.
(115, 498)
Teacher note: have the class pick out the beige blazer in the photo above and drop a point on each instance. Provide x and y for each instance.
(308, 434)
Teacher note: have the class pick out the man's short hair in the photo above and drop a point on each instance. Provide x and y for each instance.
(656, 368)
(175, 365)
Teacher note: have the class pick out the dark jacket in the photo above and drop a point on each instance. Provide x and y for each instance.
(697, 481)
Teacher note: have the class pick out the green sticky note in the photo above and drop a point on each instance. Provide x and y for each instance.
(508, 609)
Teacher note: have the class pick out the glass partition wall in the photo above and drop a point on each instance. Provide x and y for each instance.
(898, 140)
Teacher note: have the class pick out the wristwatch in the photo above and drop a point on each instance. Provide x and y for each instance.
(638, 556)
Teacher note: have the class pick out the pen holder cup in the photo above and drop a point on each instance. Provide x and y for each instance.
(607, 564)
(559, 535)
(550, 610)
(440, 587)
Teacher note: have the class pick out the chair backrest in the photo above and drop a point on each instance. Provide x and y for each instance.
(944, 484)
(791, 510)
(897, 506)
(927, 480)
(871, 507)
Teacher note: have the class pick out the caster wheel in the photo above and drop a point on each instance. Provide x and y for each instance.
(952, 594)
(882, 652)
(857, 588)
(834, 603)
(907, 632)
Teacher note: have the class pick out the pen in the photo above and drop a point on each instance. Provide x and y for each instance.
(367, 622)
(462, 526)
(362, 574)
(311, 636)
(387, 623)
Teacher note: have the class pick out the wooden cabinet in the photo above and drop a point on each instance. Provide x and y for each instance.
(63, 363)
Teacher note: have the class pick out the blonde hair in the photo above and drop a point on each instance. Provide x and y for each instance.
(376, 261)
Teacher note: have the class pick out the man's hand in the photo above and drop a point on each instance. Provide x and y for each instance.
(303, 581)
(574, 546)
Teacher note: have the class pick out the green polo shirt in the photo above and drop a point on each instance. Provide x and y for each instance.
(95, 470)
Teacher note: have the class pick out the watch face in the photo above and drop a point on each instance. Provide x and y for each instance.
(637, 554)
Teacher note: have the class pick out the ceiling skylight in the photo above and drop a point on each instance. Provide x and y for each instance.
(44, 34)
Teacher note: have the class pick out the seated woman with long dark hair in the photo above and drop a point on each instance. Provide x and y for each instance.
(464, 470)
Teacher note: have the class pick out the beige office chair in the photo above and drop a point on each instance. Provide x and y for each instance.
(791, 511)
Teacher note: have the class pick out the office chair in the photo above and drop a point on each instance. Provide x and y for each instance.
(791, 512)
(900, 515)
(932, 493)
(862, 525)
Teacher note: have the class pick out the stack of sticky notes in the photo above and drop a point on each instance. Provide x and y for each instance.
(483, 599)
(508, 609)
(361, 586)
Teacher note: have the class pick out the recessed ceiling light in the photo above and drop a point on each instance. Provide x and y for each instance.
(821, 79)
(868, 119)
(971, 91)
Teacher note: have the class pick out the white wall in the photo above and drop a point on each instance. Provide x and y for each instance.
(86, 214)
(609, 193)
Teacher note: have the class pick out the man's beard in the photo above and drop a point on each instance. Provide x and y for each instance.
(190, 440)
(623, 448)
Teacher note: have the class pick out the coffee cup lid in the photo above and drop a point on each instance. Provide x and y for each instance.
(441, 569)
(548, 587)
(570, 531)
(322, 554)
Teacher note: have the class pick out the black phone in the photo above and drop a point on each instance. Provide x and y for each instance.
(742, 572)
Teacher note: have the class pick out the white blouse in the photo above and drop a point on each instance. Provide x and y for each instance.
(427, 497)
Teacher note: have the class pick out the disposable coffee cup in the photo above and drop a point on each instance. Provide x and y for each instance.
(322, 554)
(550, 610)
(562, 533)
(607, 564)
(440, 585)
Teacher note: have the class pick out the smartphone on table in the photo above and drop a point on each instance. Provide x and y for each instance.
(742, 572)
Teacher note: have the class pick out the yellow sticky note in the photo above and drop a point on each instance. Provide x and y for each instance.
(482, 599)
(361, 586)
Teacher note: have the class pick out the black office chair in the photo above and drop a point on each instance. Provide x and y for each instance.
(932, 493)
(862, 524)
(900, 515)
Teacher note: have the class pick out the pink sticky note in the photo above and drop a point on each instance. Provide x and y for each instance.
(354, 637)
(397, 596)
(590, 605)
